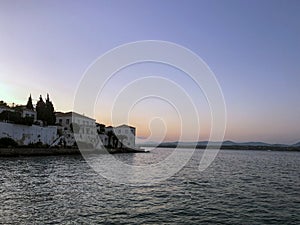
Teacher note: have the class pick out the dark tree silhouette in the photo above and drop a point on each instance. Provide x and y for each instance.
(115, 141)
(29, 103)
(121, 139)
(2, 103)
(41, 109)
(45, 111)
(74, 128)
(50, 115)
(100, 128)
(110, 135)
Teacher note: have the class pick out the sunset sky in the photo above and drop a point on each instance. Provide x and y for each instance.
(253, 48)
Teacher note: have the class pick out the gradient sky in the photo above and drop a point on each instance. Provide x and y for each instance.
(253, 47)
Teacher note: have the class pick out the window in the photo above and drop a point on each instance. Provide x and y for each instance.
(67, 121)
(60, 121)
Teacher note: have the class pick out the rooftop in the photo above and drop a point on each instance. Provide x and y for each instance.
(70, 114)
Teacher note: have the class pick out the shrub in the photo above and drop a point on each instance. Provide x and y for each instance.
(7, 142)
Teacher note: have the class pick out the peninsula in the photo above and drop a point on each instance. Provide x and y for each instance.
(40, 130)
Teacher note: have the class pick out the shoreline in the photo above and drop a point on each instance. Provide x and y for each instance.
(16, 152)
(238, 147)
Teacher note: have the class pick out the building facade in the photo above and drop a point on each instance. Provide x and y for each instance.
(76, 127)
(126, 135)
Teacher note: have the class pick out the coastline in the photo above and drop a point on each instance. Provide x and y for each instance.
(15, 152)
(238, 147)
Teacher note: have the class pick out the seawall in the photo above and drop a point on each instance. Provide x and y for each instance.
(13, 152)
(8, 152)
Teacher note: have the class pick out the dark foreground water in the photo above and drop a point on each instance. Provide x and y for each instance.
(240, 187)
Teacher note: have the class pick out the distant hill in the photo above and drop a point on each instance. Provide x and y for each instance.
(148, 143)
(224, 143)
(297, 144)
(246, 143)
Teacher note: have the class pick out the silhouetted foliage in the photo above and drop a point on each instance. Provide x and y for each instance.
(45, 111)
(110, 135)
(29, 104)
(15, 117)
(4, 104)
(101, 128)
(41, 109)
(121, 139)
(50, 115)
(74, 128)
(7, 142)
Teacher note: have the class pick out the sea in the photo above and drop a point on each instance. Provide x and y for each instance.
(239, 187)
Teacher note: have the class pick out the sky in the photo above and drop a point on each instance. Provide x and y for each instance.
(252, 47)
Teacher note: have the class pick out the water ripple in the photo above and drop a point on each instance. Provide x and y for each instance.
(240, 187)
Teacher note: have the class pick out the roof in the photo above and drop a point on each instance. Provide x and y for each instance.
(25, 109)
(70, 114)
(124, 125)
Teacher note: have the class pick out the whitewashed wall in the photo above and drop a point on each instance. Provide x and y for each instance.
(25, 135)
(128, 132)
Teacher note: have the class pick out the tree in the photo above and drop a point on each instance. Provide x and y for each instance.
(50, 115)
(74, 128)
(15, 117)
(29, 104)
(113, 141)
(7, 142)
(2, 103)
(45, 111)
(121, 139)
(100, 128)
(110, 135)
(41, 109)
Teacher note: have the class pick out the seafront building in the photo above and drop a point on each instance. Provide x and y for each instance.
(76, 127)
(126, 135)
(69, 129)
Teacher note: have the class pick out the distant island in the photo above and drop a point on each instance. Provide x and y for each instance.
(225, 145)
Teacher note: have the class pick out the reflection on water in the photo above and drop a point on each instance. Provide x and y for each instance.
(240, 187)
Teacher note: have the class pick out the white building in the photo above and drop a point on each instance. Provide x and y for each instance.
(83, 127)
(126, 135)
(29, 113)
